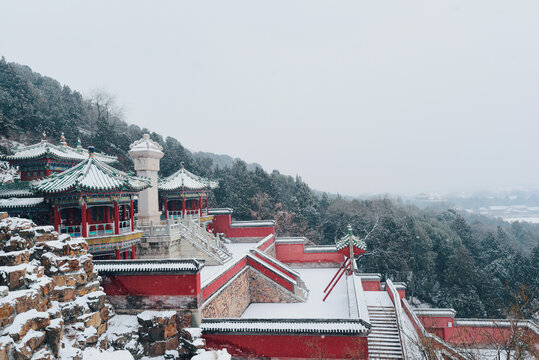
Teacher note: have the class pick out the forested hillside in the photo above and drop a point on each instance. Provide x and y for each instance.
(475, 265)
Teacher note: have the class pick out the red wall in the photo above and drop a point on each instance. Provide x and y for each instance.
(291, 346)
(266, 244)
(438, 325)
(369, 285)
(274, 264)
(221, 280)
(275, 277)
(151, 284)
(248, 232)
(295, 253)
(467, 335)
(221, 224)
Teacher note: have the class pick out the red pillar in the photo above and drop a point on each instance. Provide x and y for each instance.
(56, 218)
(116, 218)
(84, 222)
(118, 254)
(183, 206)
(133, 252)
(200, 206)
(132, 215)
(207, 205)
(166, 208)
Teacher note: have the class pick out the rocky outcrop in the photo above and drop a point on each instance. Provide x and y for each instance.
(50, 295)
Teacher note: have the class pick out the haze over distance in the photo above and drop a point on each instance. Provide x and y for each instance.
(355, 97)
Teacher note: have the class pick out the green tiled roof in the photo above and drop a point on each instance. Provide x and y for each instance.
(183, 179)
(62, 151)
(16, 189)
(90, 175)
(350, 237)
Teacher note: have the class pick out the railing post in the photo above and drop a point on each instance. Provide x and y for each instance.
(84, 227)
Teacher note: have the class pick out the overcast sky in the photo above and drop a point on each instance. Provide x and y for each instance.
(354, 96)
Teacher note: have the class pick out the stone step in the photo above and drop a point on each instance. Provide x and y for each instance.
(383, 350)
(384, 345)
(384, 354)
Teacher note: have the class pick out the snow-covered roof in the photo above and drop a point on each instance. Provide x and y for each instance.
(435, 312)
(220, 211)
(16, 189)
(291, 240)
(303, 326)
(63, 151)
(252, 223)
(350, 237)
(91, 175)
(370, 276)
(20, 202)
(183, 179)
(320, 248)
(147, 265)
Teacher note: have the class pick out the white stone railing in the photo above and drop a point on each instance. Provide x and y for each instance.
(125, 226)
(191, 229)
(390, 287)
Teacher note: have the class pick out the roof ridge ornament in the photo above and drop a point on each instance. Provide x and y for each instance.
(44, 139)
(63, 141)
(79, 146)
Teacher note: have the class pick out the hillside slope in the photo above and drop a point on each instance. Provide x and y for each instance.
(477, 266)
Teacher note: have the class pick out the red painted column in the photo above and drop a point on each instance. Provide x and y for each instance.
(132, 215)
(207, 205)
(183, 206)
(118, 254)
(84, 224)
(133, 252)
(200, 206)
(116, 218)
(166, 208)
(56, 214)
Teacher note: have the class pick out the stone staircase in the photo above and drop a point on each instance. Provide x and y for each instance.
(384, 340)
(203, 240)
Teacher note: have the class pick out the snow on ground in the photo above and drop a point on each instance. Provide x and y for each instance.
(95, 354)
(316, 280)
(410, 338)
(213, 355)
(122, 324)
(238, 251)
(195, 332)
(378, 298)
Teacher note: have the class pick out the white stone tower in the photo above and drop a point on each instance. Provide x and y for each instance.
(146, 154)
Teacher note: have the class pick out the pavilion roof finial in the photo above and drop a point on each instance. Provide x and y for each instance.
(63, 139)
(182, 165)
(44, 139)
(91, 151)
(79, 146)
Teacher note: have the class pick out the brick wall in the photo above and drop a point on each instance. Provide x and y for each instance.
(271, 251)
(264, 290)
(231, 301)
(250, 286)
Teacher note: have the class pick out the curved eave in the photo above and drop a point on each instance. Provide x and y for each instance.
(47, 151)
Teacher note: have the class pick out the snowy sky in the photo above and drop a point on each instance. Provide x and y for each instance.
(355, 96)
